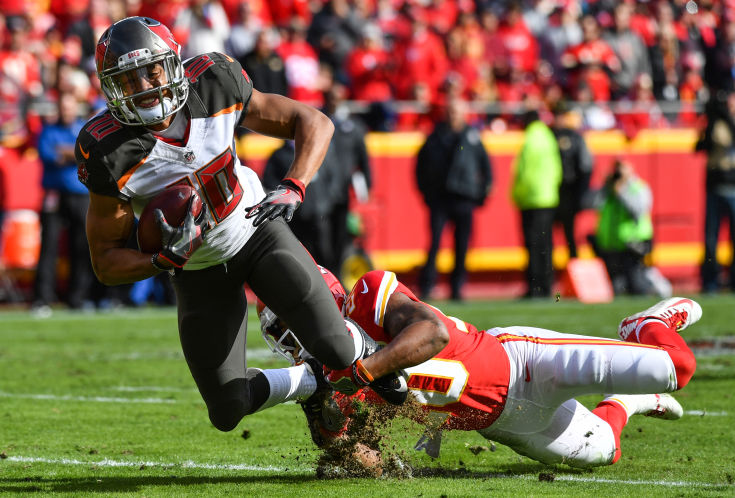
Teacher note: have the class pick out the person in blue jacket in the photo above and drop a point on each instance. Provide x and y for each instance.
(64, 205)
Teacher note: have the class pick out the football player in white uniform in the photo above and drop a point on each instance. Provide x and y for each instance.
(169, 123)
(514, 385)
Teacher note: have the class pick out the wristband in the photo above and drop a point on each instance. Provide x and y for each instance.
(156, 264)
(361, 374)
(296, 185)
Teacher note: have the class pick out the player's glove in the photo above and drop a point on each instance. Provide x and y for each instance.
(179, 243)
(283, 201)
(391, 387)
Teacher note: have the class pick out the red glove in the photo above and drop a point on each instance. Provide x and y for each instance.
(351, 379)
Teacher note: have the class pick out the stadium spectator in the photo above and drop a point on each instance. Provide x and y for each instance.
(418, 115)
(590, 61)
(718, 141)
(369, 67)
(352, 161)
(624, 235)
(20, 82)
(454, 177)
(421, 60)
(244, 32)
(310, 223)
(519, 42)
(264, 66)
(494, 50)
(166, 11)
(65, 202)
(202, 27)
(334, 32)
(559, 31)
(535, 192)
(525, 399)
(639, 110)
(666, 70)
(302, 65)
(285, 12)
(719, 66)
(576, 163)
(596, 115)
(466, 65)
(631, 52)
(154, 101)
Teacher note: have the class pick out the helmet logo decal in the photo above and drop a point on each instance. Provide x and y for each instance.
(133, 43)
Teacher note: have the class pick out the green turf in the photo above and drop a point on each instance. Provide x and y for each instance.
(100, 404)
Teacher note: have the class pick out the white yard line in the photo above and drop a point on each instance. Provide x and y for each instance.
(188, 464)
(160, 389)
(94, 399)
(640, 483)
(252, 354)
(705, 413)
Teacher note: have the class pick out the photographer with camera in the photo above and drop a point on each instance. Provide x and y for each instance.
(624, 232)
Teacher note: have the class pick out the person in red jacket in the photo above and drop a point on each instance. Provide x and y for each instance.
(369, 67)
(590, 61)
(422, 60)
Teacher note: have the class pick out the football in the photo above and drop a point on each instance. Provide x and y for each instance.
(173, 202)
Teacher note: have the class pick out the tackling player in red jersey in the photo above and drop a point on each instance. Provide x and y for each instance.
(516, 385)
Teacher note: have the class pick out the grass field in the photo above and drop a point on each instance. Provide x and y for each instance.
(102, 404)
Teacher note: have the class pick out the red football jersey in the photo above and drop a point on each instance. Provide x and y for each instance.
(466, 383)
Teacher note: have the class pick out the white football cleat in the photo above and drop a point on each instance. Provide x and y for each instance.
(666, 407)
(676, 313)
(662, 406)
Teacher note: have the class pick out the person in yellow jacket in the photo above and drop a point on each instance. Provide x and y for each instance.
(535, 191)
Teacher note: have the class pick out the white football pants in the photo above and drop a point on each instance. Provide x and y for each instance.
(547, 369)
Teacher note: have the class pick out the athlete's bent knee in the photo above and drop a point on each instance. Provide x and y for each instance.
(225, 416)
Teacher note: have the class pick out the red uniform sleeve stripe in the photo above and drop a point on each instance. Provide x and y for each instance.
(502, 338)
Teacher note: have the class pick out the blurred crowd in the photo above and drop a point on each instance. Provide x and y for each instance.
(397, 65)
(628, 64)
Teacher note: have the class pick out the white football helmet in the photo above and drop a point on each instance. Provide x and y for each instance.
(128, 51)
(278, 337)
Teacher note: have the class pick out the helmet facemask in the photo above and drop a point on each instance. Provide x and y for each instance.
(118, 83)
(280, 339)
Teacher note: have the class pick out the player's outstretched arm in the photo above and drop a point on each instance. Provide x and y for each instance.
(418, 334)
(110, 222)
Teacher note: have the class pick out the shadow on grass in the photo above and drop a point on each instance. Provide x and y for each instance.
(132, 484)
(102, 484)
(519, 469)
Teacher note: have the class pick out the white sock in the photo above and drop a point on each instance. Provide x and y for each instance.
(289, 383)
(634, 403)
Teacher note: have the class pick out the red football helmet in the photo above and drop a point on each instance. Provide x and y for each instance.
(130, 50)
(279, 337)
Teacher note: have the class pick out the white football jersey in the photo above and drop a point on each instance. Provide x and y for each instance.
(131, 163)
